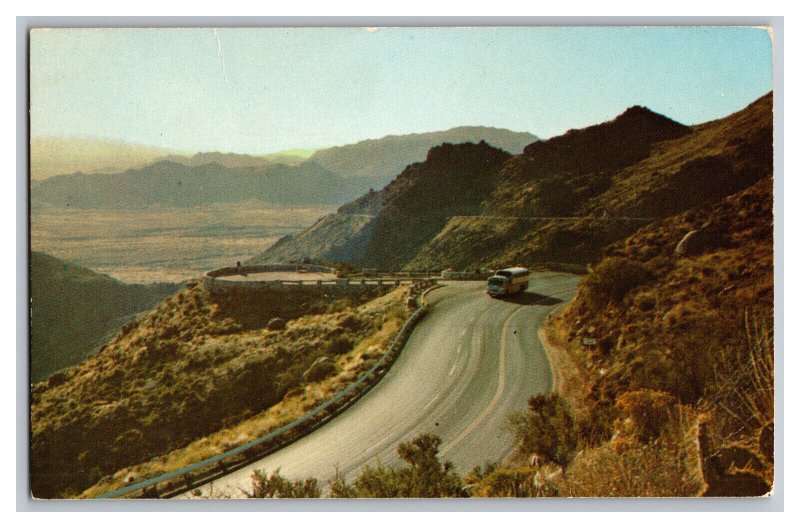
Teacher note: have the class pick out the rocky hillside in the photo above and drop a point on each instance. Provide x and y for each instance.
(194, 365)
(563, 199)
(377, 161)
(386, 229)
(332, 238)
(689, 331)
(75, 310)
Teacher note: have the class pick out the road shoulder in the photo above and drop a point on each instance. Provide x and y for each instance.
(569, 377)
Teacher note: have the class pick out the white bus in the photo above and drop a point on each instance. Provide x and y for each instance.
(508, 281)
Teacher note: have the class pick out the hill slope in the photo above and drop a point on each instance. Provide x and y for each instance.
(700, 165)
(377, 161)
(694, 330)
(563, 199)
(74, 309)
(385, 229)
(223, 159)
(194, 365)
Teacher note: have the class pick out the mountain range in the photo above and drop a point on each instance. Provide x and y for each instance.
(169, 183)
(563, 199)
(50, 156)
(231, 160)
(378, 161)
(120, 175)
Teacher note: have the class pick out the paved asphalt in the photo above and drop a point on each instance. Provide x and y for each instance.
(468, 364)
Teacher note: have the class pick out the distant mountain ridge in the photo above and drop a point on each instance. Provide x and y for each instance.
(233, 160)
(328, 176)
(380, 160)
(173, 184)
(50, 156)
(384, 229)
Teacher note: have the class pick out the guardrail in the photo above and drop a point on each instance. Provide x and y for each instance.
(265, 268)
(216, 466)
(382, 281)
(221, 279)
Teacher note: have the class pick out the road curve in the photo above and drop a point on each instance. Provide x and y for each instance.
(468, 364)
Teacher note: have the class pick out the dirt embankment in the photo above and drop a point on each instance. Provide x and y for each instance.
(569, 376)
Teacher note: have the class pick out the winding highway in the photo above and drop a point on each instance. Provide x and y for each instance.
(468, 364)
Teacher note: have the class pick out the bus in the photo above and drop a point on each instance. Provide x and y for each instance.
(508, 281)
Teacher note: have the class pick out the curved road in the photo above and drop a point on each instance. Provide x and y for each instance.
(468, 364)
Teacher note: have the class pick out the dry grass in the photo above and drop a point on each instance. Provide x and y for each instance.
(699, 332)
(657, 469)
(678, 392)
(190, 380)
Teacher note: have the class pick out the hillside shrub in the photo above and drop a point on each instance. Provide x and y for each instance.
(277, 487)
(515, 482)
(423, 476)
(57, 379)
(340, 345)
(657, 469)
(743, 390)
(645, 302)
(708, 177)
(613, 278)
(553, 197)
(647, 412)
(659, 265)
(125, 402)
(548, 429)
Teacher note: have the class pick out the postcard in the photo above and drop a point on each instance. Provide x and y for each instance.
(401, 262)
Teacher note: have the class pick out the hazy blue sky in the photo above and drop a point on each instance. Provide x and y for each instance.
(264, 90)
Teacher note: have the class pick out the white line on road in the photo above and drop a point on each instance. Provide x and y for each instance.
(501, 385)
(431, 403)
(378, 443)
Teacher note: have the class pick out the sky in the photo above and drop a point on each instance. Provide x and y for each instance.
(259, 91)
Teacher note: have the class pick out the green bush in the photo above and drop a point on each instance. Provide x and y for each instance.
(613, 278)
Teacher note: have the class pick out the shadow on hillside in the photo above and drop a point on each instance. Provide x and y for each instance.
(531, 298)
(253, 309)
